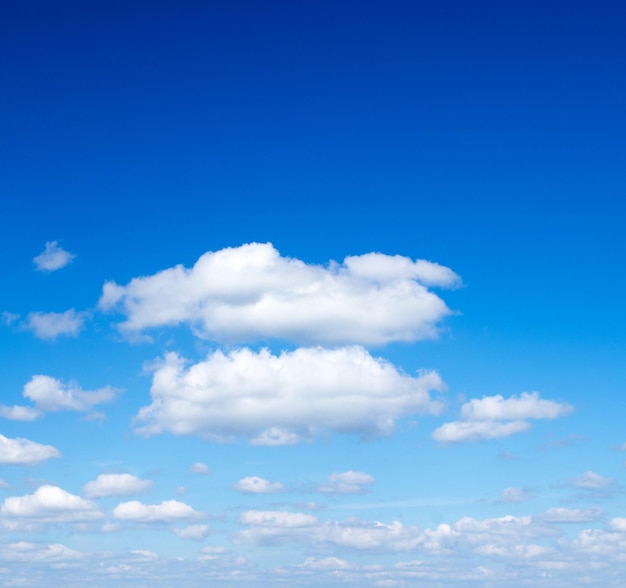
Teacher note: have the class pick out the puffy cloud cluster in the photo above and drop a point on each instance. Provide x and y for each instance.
(280, 399)
(493, 417)
(53, 257)
(167, 511)
(23, 451)
(252, 293)
(115, 485)
(51, 395)
(50, 504)
(350, 482)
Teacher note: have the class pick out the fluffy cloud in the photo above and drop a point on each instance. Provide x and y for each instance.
(256, 485)
(49, 325)
(115, 485)
(19, 413)
(493, 417)
(526, 406)
(167, 511)
(251, 292)
(53, 257)
(51, 504)
(299, 393)
(23, 451)
(50, 394)
(199, 468)
(347, 483)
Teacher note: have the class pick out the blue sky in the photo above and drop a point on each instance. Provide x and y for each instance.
(312, 294)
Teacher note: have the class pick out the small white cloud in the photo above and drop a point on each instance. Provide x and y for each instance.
(251, 292)
(199, 468)
(115, 485)
(516, 408)
(4, 484)
(144, 554)
(50, 325)
(592, 481)
(477, 430)
(493, 417)
(51, 395)
(570, 515)
(54, 553)
(271, 399)
(194, 532)
(167, 511)
(19, 413)
(326, 564)
(51, 504)
(53, 257)
(271, 518)
(347, 483)
(256, 485)
(514, 495)
(618, 524)
(23, 452)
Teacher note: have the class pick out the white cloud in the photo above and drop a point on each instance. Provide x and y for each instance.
(23, 451)
(516, 408)
(50, 394)
(115, 485)
(301, 392)
(195, 532)
(167, 511)
(199, 468)
(256, 485)
(592, 481)
(570, 515)
(618, 524)
(513, 495)
(477, 430)
(49, 325)
(251, 292)
(31, 552)
(493, 417)
(347, 483)
(51, 504)
(53, 257)
(19, 413)
(326, 563)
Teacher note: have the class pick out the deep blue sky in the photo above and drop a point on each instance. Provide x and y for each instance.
(484, 136)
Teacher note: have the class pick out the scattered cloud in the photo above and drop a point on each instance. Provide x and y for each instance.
(115, 485)
(516, 408)
(50, 325)
(350, 482)
(24, 452)
(22, 551)
(514, 495)
(52, 258)
(167, 511)
(251, 293)
(493, 417)
(477, 430)
(592, 481)
(19, 413)
(256, 485)
(51, 395)
(199, 468)
(246, 393)
(50, 504)
(570, 515)
(194, 532)
(8, 318)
